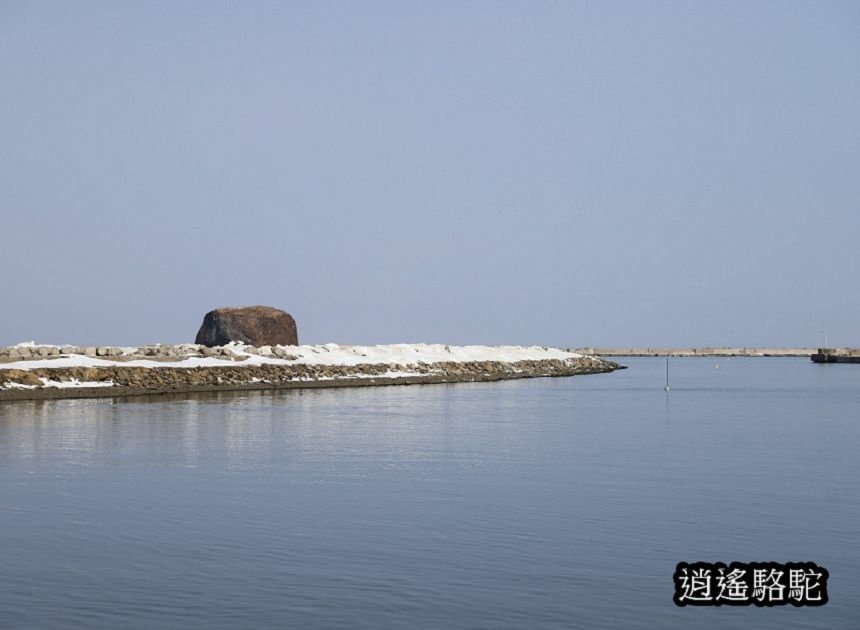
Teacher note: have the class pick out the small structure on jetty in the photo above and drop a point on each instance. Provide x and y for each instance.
(837, 355)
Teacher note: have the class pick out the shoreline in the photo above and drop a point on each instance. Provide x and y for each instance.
(54, 393)
(238, 368)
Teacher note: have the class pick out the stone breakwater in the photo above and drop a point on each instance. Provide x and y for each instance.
(234, 368)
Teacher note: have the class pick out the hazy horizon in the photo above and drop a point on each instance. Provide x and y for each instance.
(569, 174)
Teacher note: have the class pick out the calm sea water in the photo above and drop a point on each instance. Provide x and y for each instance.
(550, 503)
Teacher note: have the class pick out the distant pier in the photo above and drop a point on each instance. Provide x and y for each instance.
(818, 355)
(699, 352)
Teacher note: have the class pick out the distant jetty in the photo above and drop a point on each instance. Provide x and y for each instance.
(32, 371)
(696, 352)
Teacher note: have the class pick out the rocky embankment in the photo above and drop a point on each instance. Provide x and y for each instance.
(38, 372)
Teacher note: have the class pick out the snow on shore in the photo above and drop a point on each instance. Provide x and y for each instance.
(46, 382)
(328, 354)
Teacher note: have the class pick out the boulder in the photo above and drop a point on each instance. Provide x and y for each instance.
(255, 325)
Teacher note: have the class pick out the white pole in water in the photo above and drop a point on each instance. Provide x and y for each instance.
(824, 332)
(667, 372)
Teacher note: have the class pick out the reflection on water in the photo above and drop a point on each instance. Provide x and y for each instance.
(545, 503)
(230, 428)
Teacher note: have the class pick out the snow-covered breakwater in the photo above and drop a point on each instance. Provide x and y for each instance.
(32, 371)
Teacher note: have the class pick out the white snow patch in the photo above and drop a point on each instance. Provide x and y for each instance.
(359, 375)
(11, 385)
(394, 374)
(46, 382)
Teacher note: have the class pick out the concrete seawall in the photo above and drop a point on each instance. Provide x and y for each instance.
(697, 352)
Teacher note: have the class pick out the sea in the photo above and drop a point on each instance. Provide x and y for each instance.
(538, 503)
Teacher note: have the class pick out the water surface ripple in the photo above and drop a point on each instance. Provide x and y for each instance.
(550, 503)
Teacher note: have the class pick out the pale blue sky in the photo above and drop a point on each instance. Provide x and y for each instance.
(562, 173)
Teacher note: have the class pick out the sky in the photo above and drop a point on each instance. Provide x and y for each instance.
(553, 173)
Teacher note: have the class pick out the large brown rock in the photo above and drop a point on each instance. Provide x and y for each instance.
(255, 325)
